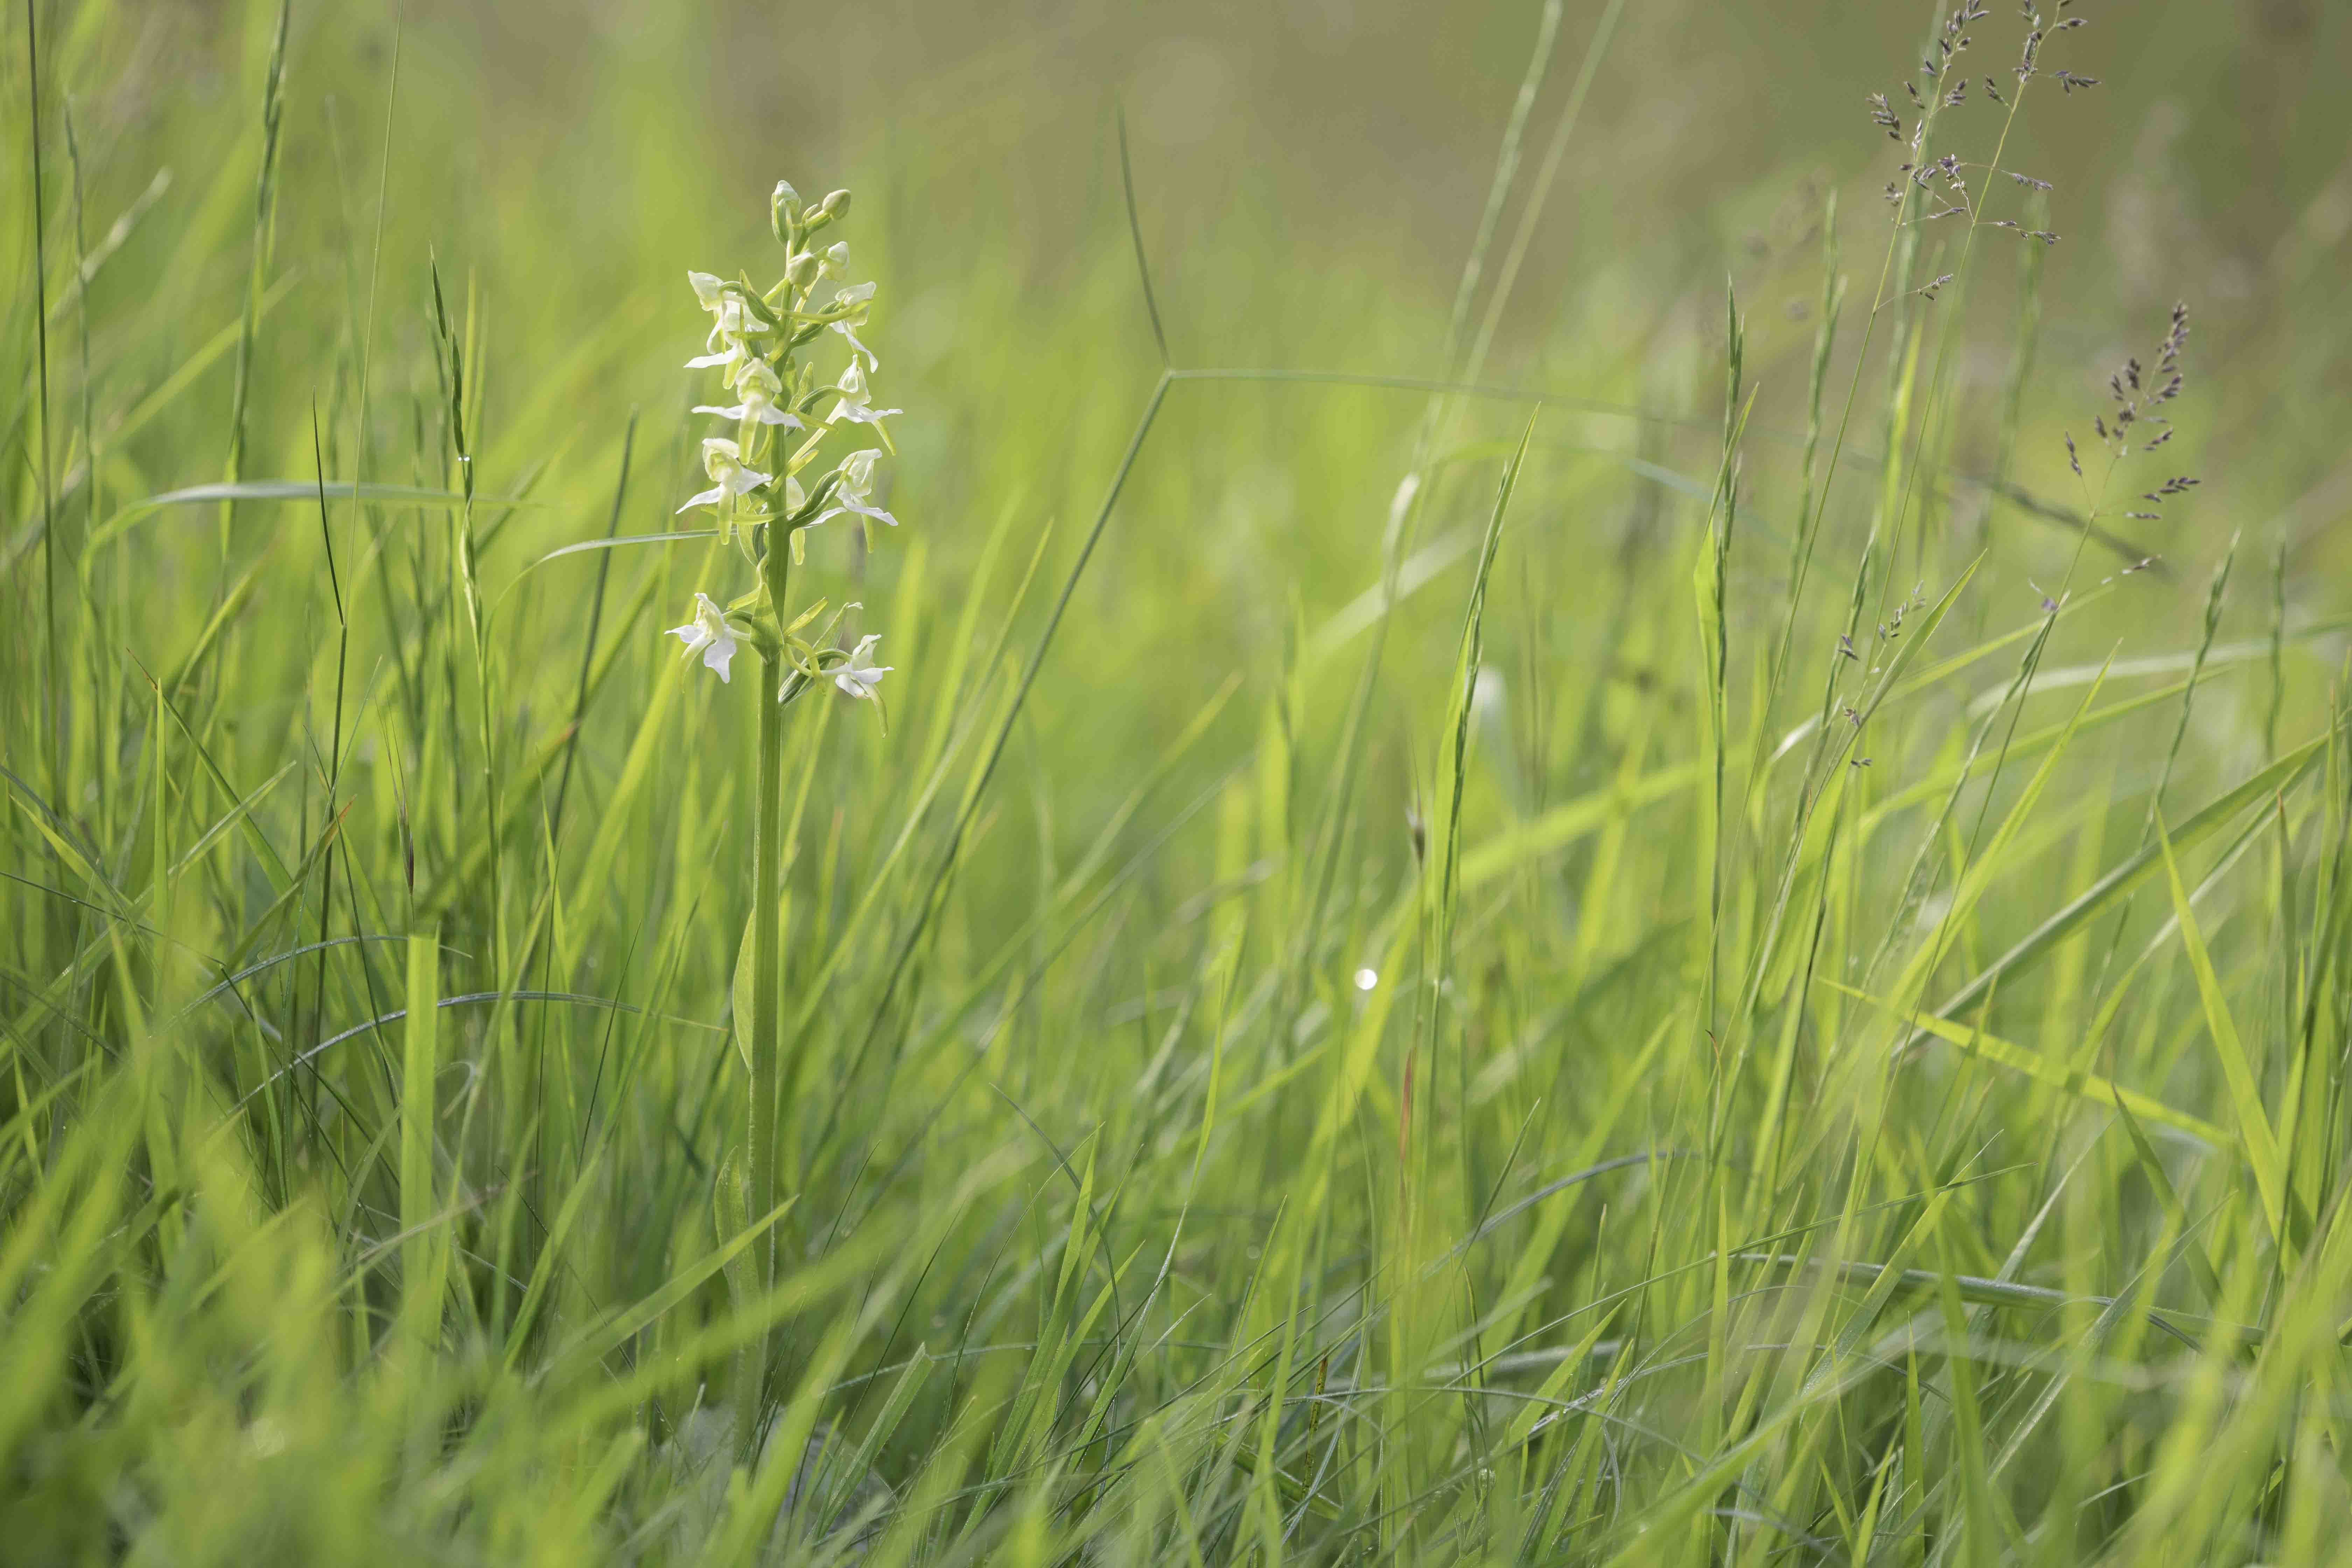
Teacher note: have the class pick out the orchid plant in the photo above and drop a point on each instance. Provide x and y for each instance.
(771, 480)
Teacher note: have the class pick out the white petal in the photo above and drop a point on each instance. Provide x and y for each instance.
(859, 678)
(873, 361)
(722, 649)
(849, 508)
(711, 496)
(735, 413)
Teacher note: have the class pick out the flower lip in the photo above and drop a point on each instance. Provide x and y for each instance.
(861, 675)
(754, 406)
(709, 635)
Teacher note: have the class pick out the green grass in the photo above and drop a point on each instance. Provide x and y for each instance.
(1390, 991)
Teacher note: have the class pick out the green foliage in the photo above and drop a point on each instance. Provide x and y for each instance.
(1660, 933)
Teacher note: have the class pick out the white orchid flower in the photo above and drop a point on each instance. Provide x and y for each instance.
(861, 675)
(852, 405)
(723, 459)
(859, 297)
(730, 317)
(853, 490)
(708, 634)
(757, 387)
(731, 323)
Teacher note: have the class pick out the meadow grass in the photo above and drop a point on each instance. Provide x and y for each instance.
(1465, 945)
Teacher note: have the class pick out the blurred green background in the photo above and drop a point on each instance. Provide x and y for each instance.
(1310, 173)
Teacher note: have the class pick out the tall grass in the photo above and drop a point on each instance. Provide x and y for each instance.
(1653, 941)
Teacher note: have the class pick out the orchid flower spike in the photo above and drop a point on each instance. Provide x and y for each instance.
(708, 635)
(861, 675)
(757, 387)
(723, 459)
(852, 405)
(853, 490)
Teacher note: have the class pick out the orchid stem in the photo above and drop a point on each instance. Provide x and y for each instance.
(767, 934)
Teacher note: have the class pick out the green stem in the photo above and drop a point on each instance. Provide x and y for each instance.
(767, 945)
(767, 933)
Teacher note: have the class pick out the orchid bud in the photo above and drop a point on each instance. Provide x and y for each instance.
(836, 207)
(784, 215)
